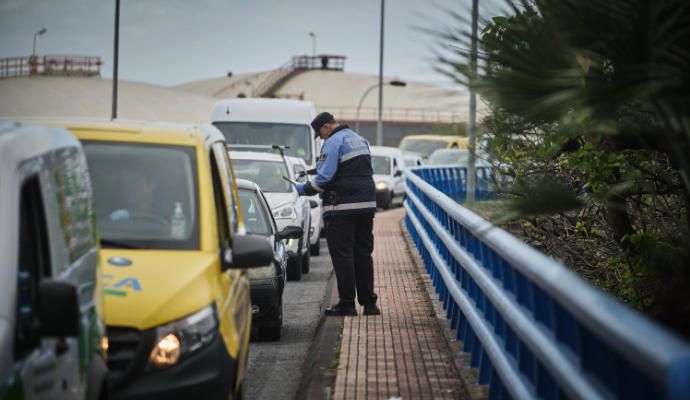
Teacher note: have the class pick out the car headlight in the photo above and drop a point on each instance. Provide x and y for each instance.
(261, 273)
(285, 212)
(382, 185)
(178, 339)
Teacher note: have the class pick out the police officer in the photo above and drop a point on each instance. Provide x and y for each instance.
(344, 179)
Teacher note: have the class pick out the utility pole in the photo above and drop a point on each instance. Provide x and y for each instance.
(379, 121)
(115, 57)
(472, 126)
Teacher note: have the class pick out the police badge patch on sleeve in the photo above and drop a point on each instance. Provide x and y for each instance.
(323, 156)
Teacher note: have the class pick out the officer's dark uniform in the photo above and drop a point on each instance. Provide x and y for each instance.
(344, 179)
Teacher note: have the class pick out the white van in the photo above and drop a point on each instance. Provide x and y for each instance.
(388, 163)
(52, 343)
(269, 122)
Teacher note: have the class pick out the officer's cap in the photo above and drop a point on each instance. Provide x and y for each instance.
(321, 120)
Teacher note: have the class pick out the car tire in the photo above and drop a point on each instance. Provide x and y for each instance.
(306, 261)
(315, 248)
(388, 202)
(272, 334)
(294, 267)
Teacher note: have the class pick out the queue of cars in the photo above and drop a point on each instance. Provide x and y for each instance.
(138, 262)
(171, 290)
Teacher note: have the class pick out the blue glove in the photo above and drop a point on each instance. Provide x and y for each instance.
(300, 188)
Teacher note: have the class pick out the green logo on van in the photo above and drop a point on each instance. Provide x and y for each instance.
(120, 288)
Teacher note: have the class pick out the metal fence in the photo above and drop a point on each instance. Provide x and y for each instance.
(12, 67)
(535, 329)
(451, 180)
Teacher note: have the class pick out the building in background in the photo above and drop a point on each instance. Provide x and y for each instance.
(416, 108)
(69, 86)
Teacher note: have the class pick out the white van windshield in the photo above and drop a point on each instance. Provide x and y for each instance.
(381, 165)
(298, 137)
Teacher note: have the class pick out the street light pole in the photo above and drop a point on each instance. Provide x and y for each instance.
(115, 57)
(39, 33)
(379, 122)
(366, 92)
(313, 43)
(471, 129)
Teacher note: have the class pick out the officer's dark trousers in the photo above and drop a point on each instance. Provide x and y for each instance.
(351, 242)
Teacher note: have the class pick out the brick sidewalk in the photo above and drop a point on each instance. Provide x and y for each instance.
(401, 353)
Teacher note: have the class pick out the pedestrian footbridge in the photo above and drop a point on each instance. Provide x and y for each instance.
(534, 329)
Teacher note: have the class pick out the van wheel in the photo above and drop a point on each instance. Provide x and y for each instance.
(315, 248)
(306, 261)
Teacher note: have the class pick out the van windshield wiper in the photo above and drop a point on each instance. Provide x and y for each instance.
(117, 243)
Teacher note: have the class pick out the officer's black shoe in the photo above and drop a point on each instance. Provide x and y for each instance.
(371, 309)
(340, 310)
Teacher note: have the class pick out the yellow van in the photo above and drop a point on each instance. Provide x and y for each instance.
(177, 303)
(424, 145)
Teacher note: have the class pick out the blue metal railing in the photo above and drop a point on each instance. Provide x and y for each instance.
(534, 328)
(451, 180)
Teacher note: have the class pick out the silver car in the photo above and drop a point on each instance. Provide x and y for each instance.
(269, 172)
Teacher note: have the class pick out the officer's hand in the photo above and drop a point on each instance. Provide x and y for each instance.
(301, 174)
(300, 188)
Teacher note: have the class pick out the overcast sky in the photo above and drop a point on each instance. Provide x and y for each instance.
(174, 41)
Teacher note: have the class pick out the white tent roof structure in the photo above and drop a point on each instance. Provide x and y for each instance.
(92, 97)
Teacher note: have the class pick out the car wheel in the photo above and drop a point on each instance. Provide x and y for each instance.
(273, 333)
(315, 248)
(388, 202)
(306, 261)
(294, 267)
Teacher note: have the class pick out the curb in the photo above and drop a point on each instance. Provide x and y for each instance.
(321, 365)
(466, 374)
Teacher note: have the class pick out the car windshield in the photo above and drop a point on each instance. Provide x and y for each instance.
(145, 196)
(255, 215)
(381, 165)
(423, 147)
(267, 174)
(410, 162)
(298, 137)
(450, 156)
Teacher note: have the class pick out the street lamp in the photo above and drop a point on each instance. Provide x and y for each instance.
(116, 51)
(39, 33)
(374, 86)
(379, 121)
(472, 123)
(313, 43)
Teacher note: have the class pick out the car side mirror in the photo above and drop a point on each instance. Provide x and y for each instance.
(248, 252)
(58, 309)
(313, 203)
(398, 173)
(290, 232)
